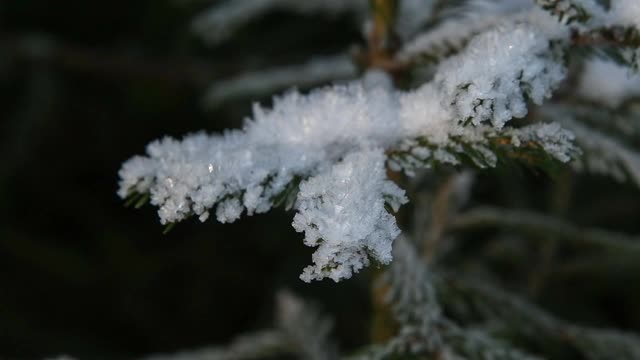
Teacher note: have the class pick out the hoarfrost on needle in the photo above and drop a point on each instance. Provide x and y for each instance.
(342, 212)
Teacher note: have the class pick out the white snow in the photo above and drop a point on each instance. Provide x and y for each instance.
(489, 80)
(334, 138)
(342, 212)
(625, 12)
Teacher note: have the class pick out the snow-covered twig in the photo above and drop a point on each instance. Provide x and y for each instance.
(221, 20)
(518, 320)
(603, 154)
(304, 136)
(249, 346)
(539, 224)
(315, 72)
(424, 329)
(300, 330)
(307, 329)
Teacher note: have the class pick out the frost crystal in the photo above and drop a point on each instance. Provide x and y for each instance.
(475, 17)
(555, 141)
(342, 211)
(246, 170)
(516, 62)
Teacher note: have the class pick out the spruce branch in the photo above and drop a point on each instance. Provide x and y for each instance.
(317, 71)
(301, 330)
(325, 154)
(257, 345)
(604, 154)
(516, 320)
(540, 146)
(424, 328)
(620, 121)
(618, 43)
(569, 11)
(222, 19)
(453, 30)
(315, 137)
(306, 328)
(539, 224)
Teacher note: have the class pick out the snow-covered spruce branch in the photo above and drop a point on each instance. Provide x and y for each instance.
(592, 14)
(569, 11)
(217, 23)
(256, 345)
(424, 328)
(605, 155)
(427, 327)
(586, 20)
(540, 224)
(300, 330)
(435, 310)
(602, 154)
(519, 321)
(317, 71)
(537, 146)
(333, 142)
(451, 35)
(606, 134)
(413, 301)
(618, 43)
(307, 329)
(615, 32)
(221, 20)
(622, 123)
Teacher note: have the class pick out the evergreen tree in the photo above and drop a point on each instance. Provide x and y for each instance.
(378, 164)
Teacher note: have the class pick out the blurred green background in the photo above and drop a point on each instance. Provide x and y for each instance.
(84, 85)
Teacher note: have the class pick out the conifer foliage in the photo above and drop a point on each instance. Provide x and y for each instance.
(441, 85)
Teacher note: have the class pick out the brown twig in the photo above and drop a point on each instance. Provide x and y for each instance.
(382, 42)
(440, 211)
(610, 36)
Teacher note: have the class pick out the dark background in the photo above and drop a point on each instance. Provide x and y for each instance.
(84, 85)
(79, 273)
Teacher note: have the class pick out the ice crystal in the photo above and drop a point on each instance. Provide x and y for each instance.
(342, 211)
(475, 17)
(517, 64)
